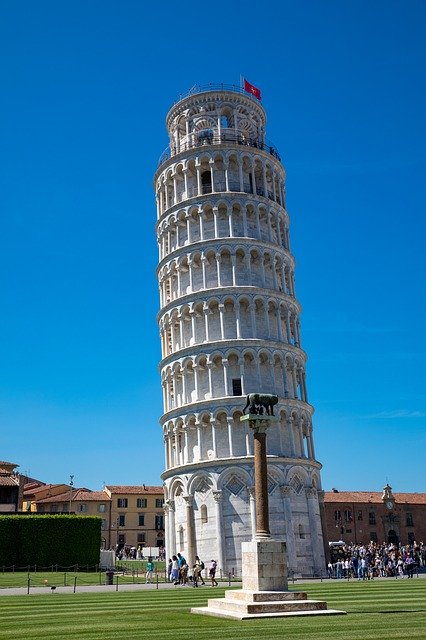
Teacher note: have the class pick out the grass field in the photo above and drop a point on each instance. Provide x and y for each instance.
(378, 610)
(134, 573)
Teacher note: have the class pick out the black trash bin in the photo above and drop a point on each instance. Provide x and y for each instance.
(109, 577)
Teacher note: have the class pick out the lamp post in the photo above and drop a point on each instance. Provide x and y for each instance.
(71, 486)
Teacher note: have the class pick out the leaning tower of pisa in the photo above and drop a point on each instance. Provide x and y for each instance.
(229, 325)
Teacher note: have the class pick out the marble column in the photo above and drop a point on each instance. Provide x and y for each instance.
(286, 492)
(218, 499)
(171, 529)
(191, 551)
(316, 541)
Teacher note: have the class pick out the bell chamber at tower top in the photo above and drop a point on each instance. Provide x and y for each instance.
(217, 145)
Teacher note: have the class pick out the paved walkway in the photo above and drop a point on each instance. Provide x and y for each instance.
(103, 588)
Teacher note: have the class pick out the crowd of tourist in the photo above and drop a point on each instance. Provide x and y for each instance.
(179, 573)
(366, 562)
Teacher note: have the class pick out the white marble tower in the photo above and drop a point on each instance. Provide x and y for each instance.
(229, 325)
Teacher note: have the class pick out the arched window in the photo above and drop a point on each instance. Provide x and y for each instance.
(301, 534)
(203, 514)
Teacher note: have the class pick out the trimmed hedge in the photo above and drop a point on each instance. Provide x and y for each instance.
(50, 539)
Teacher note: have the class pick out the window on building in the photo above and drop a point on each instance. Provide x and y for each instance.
(159, 502)
(203, 514)
(122, 538)
(159, 522)
(371, 517)
(121, 520)
(236, 387)
(301, 534)
(181, 537)
(141, 537)
(141, 503)
(101, 508)
(40, 508)
(65, 507)
(409, 520)
(141, 519)
(224, 122)
(53, 508)
(337, 515)
(348, 515)
(82, 508)
(122, 503)
(359, 515)
(103, 523)
(411, 537)
(373, 536)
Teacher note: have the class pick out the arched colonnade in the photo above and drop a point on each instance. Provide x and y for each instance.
(204, 377)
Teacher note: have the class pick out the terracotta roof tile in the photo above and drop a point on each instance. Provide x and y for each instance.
(135, 489)
(78, 495)
(7, 481)
(373, 497)
(44, 487)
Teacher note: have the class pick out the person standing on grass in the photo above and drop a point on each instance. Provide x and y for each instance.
(149, 570)
(409, 566)
(175, 570)
(169, 570)
(212, 573)
(197, 571)
(183, 569)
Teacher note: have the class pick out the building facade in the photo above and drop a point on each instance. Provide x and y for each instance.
(132, 516)
(11, 487)
(229, 325)
(136, 516)
(363, 516)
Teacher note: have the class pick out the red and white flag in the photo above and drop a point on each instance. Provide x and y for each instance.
(252, 89)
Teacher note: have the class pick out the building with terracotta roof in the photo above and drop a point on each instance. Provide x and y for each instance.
(131, 515)
(137, 515)
(11, 487)
(364, 516)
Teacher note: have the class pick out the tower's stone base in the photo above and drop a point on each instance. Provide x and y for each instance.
(264, 593)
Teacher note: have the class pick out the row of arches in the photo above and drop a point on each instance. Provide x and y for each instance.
(293, 479)
(229, 317)
(220, 171)
(226, 266)
(210, 512)
(220, 434)
(224, 219)
(218, 375)
(213, 113)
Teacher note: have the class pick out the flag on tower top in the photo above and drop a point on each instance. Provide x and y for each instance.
(252, 89)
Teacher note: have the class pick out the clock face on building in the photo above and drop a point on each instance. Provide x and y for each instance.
(389, 504)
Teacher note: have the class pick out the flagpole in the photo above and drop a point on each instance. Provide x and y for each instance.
(241, 82)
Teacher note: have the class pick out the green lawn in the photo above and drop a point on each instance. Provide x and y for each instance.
(379, 610)
(134, 573)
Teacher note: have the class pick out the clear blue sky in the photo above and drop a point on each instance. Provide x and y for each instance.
(85, 88)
